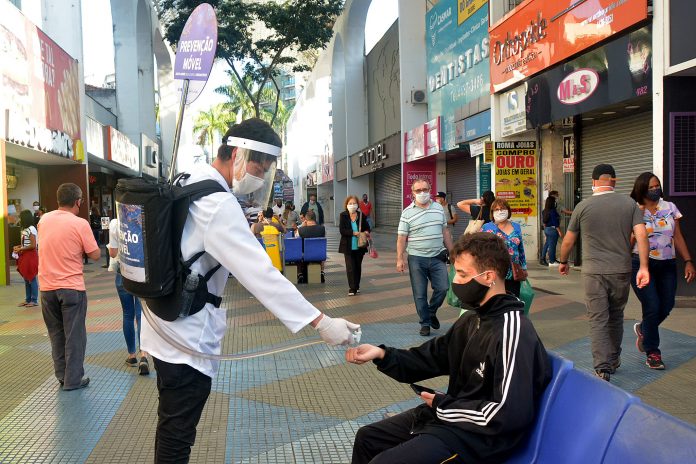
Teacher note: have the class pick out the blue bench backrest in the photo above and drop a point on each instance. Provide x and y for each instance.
(293, 250)
(290, 234)
(314, 250)
(528, 451)
(648, 435)
(581, 419)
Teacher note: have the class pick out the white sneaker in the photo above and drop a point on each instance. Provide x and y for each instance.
(554, 264)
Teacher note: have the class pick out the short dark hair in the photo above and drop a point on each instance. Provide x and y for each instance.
(488, 250)
(268, 213)
(488, 198)
(68, 194)
(26, 218)
(641, 186)
(310, 215)
(252, 129)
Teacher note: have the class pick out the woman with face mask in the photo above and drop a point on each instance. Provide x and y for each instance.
(665, 237)
(511, 233)
(351, 223)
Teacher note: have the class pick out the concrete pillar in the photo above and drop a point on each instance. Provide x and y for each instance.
(660, 59)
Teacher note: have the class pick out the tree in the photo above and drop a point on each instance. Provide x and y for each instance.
(216, 119)
(258, 39)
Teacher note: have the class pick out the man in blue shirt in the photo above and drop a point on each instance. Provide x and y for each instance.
(423, 234)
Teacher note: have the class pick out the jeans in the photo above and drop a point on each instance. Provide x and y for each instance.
(183, 392)
(31, 290)
(420, 271)
(657, 298)
(64, 312)
(132, 310)
(550, 244)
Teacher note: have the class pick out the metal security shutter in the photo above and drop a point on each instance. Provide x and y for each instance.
(624, 143)
(461, 184)
(388, 196)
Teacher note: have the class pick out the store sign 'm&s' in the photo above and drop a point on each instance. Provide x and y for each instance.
(542, 33)
(39, 83)
(578, 86)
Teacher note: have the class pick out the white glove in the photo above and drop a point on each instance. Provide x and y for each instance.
(337, 331)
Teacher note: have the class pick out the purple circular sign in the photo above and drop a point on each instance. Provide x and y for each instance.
(195, 51)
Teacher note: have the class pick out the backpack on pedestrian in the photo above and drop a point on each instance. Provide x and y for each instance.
(151, 218)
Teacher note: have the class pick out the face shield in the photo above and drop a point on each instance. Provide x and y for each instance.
(254, 170)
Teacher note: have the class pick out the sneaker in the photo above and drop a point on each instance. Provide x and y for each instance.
(83, 384)
(639, 337)
(554, 264)
(603, 374)
(23, 303)
(132, 362)
(351, 292)
(654, 361)
(323, 280)
(543, 263)
(434, 322)
(357, 291)
(425, 331)
(143, 366)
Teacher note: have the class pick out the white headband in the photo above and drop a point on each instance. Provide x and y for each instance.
(254, 145)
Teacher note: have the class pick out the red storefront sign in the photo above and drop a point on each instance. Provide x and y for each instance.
(541, 33)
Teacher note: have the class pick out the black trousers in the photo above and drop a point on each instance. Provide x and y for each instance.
(354, 259)
(390, 441)
(183, 392)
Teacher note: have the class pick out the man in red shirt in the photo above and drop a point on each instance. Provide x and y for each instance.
(366, 208)
(64, 239)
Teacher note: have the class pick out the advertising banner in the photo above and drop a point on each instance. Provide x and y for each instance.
(122, 150)
(414, 144)
(457, 51)
(516, 176)
(513, 116)
(131, 252)
(39, 86)
(195, 51)
(421, 169)
(618, 71)
(542, 33)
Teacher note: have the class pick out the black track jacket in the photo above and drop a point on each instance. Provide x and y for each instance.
(498, 369)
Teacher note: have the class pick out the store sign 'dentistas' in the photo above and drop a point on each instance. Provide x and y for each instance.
(542, 33)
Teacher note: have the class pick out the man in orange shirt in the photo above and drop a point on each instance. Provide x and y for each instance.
(64, 239)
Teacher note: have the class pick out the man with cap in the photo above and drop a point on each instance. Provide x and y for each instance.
(606, 221)
(451, 216)
(184, 351)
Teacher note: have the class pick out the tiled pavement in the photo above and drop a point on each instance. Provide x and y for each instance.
(300, 406)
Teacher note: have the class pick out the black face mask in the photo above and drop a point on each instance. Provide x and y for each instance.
(470, 294)
(654, 195)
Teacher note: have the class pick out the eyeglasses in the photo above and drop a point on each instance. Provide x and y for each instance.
(423, 190)
(500, 209)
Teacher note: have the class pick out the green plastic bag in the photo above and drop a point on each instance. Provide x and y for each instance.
(452, 299)
(526, 295)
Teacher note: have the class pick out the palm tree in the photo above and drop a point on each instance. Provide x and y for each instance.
(237, 102)
(216, 120)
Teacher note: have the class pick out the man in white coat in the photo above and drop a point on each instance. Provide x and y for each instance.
(216, 224)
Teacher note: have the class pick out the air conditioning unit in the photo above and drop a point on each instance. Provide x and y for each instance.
(418, 96)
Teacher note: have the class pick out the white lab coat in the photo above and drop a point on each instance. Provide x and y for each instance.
(217, 225)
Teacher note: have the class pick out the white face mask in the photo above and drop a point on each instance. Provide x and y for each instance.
(500, 216)
(352, 207)
(36, 207)
(247, 185)
(423, 197)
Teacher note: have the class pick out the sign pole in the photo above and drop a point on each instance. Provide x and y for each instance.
(177, 132)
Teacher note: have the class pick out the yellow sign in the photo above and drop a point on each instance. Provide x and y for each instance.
(466, 8)
(488, 152)
(516, 176)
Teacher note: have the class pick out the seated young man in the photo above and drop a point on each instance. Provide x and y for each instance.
(497, 367)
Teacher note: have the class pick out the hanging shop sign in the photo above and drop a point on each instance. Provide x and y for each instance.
(484, 178)
(542, 33)
(477, 147)
(122, 150)
(513, 117)
(433, 141)
(568, 154)
(39, 84)
(457, 67)
(488, 151)
(423, 141)
(516, 176)
(618, 71)
(326, 163)
(95, 138)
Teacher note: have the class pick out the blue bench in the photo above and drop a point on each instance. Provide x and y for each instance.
(582, 419)
(306, 253)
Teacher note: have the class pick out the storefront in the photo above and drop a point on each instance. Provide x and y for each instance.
(40, 140)
(382, 163)
(421, 145)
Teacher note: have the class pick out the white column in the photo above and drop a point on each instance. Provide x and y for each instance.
(660, 57)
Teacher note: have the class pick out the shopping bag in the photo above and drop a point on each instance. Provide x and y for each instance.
(475, 225)
(452, 299)
(526, 295)
(372, 249)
